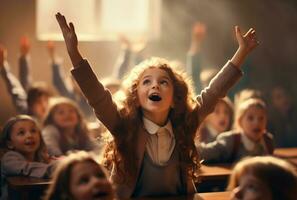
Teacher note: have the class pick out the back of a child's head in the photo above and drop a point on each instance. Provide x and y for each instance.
(244, 106)
(61, 178)
(278, 175)
(38, 95)
(36, 91)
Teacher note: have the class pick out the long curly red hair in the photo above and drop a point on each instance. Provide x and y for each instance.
(184, 120)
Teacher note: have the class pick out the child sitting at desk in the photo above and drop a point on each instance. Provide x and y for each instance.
(79, 176)
(26, 152)
(249, 138)
(265, 178)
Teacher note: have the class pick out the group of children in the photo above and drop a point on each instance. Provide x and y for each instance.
(154, 132)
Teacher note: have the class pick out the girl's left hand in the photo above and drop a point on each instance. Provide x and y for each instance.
(248, 41)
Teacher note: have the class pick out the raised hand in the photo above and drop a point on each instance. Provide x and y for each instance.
(70, 39)
(198, 31)
(3, 55)
(248, 41)
(51, 49)
(24, 45)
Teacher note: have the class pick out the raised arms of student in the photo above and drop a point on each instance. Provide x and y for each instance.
(246, 43)
(25, 76)
(70, 39)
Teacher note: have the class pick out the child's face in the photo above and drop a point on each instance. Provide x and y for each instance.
(253, 123)
(65, 116)
(40, 107)
(280, 100)
(155, 93)
(251, 188)
(24, 138)
(219, 119)
(88, 182)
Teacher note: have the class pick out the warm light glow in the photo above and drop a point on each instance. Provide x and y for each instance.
(100, 19)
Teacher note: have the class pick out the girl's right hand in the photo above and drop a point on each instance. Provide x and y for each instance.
(70, 39)
(248, 41)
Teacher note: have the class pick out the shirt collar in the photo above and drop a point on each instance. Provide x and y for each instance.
(248, 143)
(152, 127)
(213, 132)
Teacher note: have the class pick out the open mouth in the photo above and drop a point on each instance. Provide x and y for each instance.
(257, 130)
(100, 194)
(155, 97)
(30, 143)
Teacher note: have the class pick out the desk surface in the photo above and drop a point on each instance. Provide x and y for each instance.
(285, 152)
(215, 172)
(19, 182)
(198, 196)
(214, 196)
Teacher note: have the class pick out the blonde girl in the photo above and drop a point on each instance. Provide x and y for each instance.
(79, 177)
(26, 154)
(248, 138)
(263, 178)
(154, 152)
(65, 129)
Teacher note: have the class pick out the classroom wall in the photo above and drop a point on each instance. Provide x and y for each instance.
(274, 60)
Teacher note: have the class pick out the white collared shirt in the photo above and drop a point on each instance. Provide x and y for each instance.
(249, 144)
(159, 147)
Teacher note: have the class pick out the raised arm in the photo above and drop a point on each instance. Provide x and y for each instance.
(60, 81)
(13, 85)
(193, 61)
(246, 43)
(25, 76)
(70, 39)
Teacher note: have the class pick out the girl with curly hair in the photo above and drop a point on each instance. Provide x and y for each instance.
(153, 151)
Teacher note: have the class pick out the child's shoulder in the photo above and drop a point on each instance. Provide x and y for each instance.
(229, 134)
(50, 129)
(11, 155)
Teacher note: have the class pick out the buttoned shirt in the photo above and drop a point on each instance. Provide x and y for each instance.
(251, 145)
(161, 141)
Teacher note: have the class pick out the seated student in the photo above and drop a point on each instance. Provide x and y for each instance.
(80, 177)
(263, 178)
(220, 120)
(249, 138)
(282, 118)
(26, 154)
(65, 129)
(33, 100)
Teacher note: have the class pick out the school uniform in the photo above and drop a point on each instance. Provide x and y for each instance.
(107, 112)
(57, 146)
(15, 164)
(231, 146)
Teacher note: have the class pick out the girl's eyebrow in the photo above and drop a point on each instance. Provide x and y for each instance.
(146, 76)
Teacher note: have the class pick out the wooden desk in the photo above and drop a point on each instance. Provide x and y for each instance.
(215, 172)
(214, 177)
(197, 196)
(26, 187)
(214, 196)
(285, 152)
